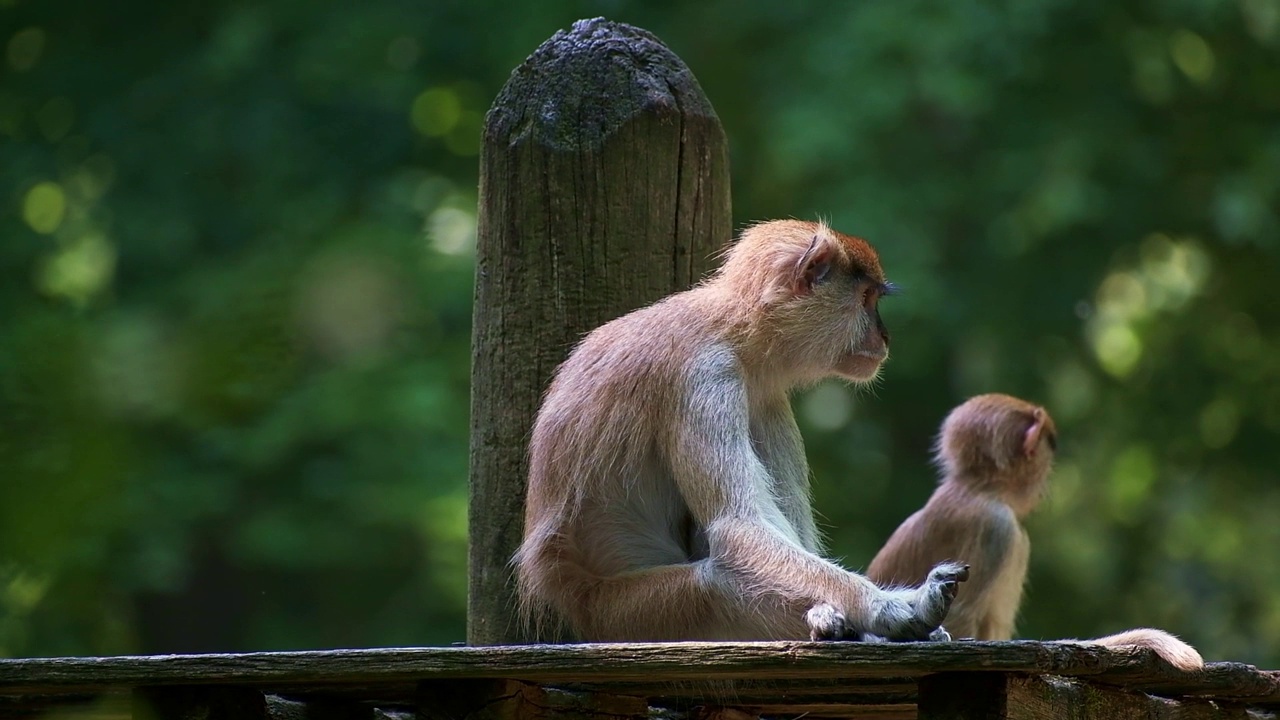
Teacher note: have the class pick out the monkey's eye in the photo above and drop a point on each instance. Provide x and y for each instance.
(874, 291)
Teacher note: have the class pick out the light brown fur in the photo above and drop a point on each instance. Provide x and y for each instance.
(996, 453)
(668, 490)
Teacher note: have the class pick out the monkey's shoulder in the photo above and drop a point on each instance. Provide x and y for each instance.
(957, 517)
(673, 338)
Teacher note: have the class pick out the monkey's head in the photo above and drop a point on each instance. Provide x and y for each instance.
(1001, 443)
(815, 293)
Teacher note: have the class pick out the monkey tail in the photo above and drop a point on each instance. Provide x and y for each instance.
(1174, 651)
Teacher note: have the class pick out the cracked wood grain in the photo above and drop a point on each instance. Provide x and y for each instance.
(604, 186)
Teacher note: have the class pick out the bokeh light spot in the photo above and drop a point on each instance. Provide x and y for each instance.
(1073, 390)
(1118, 349)
(1122, 296)
(1261, 18)
(1132, 475)
(452, 230)
(444, 521)
(1219, 423)
(80, 270)
(25, 48)
(24, 591)
(1192, 55)
(44, 207)
(436, 111)
(827, 406)
(138, 374)
(349, 306)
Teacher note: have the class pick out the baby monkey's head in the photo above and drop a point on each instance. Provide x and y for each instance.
(999, 443)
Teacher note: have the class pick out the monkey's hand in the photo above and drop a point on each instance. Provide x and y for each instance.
(903, 615)
(917, 614)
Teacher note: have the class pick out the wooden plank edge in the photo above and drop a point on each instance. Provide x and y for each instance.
(1131, 668)
(572, 663)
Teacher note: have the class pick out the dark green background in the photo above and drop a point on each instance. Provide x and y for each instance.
(235, 285)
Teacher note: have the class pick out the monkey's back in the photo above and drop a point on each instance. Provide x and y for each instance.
(980, 531)
(598, 451)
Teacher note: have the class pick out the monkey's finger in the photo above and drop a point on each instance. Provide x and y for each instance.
(949, 572)
(950, 589)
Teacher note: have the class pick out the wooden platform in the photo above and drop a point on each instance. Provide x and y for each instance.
(787, 680)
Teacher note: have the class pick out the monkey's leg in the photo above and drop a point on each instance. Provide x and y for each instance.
(836, 604)
(677, 602)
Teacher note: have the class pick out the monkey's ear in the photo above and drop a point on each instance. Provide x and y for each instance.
(813, 266)
(1031, 438)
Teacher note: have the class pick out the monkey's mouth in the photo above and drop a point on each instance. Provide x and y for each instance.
(861, 365)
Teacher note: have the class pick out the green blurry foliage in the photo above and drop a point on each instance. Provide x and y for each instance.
(236, 281)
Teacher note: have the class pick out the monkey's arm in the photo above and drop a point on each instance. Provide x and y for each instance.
(752, 546)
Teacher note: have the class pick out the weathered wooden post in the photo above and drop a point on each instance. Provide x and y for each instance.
(604, 185)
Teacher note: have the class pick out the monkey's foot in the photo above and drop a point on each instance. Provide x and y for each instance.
(917, 614)
(940, 635)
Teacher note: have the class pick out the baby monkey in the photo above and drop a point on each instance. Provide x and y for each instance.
(995, 452)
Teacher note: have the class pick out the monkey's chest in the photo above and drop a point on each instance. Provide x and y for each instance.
(1005, 593)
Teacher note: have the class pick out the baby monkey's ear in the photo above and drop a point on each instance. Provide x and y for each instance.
(1039, 426)
(815, 265)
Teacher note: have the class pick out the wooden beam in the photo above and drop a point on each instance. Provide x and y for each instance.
(963, 696)
(960, 679)
(327, 708)
(1006, 696)
(199, 703)
(604, 186)
(1222, 679)
(513, 700)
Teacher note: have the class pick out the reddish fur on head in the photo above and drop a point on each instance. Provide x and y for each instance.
(771, 258)
(806, 300)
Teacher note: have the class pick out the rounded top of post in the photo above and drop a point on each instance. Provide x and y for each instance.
(582, 84)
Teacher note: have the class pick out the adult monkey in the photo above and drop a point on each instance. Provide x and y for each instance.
(668, 494)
